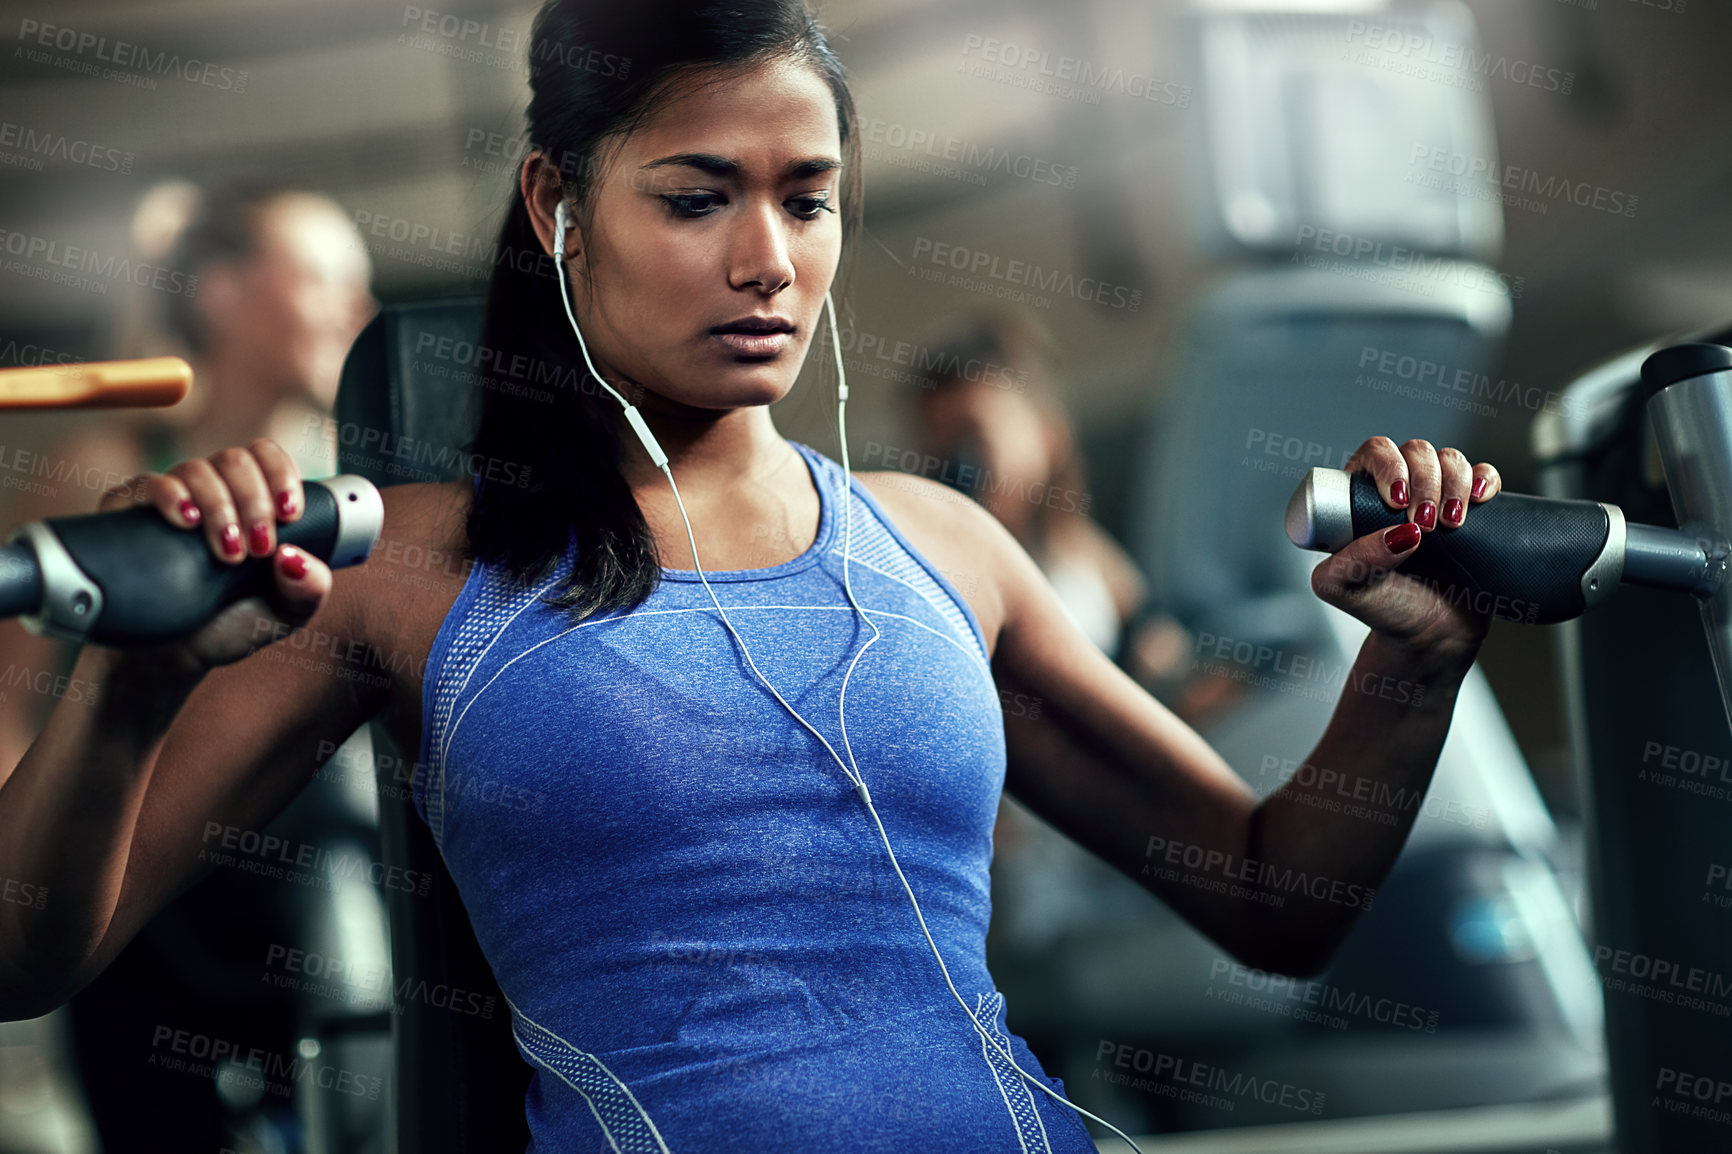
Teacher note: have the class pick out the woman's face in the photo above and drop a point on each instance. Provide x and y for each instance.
(720, 210)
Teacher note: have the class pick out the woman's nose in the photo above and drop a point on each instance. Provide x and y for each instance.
(761, 253)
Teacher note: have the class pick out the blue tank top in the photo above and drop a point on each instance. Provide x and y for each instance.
(699, 935)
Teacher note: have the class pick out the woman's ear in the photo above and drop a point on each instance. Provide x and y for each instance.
(542, 193)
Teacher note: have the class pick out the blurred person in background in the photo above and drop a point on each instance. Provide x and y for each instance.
(282, 289)
(995, 420)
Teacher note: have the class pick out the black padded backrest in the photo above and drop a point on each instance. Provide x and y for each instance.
(406, 410)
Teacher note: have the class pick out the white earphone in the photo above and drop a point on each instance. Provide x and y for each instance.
(660, 460)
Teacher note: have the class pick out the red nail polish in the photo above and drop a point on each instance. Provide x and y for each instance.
(1452, 510)
(259, 537)
(231, 538)
(1478, 488)
(285, 504)
(1398, 491)
(1401, 538)
(293, 563)
(1426, 518)
(189, 510)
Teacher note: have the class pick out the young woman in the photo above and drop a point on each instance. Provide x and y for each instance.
(682, 889)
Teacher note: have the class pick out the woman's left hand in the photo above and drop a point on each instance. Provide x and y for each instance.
(1437, 487)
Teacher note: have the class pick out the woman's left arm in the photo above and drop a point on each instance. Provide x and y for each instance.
(1277, 884)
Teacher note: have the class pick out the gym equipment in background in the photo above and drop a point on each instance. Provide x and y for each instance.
(1651, 750)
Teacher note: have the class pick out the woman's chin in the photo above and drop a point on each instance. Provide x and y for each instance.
(751, 384)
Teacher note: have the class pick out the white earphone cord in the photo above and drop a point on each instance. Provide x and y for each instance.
(660, 460)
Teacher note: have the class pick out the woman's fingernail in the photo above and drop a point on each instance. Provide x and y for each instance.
(294, 564)
(1398, 491)
(1401, 538)
(231, 538)
(1478, 488)
(1426, 518)
(285, 504)
(1452, 510)
(188, 510)
(259, 537)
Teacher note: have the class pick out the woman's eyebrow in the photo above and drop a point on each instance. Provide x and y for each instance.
(816, 166)
(721, 166)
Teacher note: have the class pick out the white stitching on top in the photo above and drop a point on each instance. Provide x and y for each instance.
(635, 1125)
(694, 609)
(1024, 1108)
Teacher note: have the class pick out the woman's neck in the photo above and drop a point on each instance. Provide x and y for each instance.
(707, 453)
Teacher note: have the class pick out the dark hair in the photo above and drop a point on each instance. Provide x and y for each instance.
(597, 68)
(224, 226)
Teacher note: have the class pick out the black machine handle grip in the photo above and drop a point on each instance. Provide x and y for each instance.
(129, 577)
(1536, 560)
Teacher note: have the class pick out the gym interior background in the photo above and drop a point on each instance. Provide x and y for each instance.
(981, 150)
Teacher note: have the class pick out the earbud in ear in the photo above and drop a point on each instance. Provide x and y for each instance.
(559, 232)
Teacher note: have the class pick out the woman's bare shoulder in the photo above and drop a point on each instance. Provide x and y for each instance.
(955, 533)
(417, 567)
(431, 513)
(398, 598)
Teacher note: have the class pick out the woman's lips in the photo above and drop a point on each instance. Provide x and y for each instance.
(764, 344)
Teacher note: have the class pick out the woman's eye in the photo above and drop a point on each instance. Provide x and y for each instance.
(699, 204)
(808, 207)
(689, 205)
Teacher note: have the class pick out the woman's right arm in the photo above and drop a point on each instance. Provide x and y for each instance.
(167, 755)
(34, 664)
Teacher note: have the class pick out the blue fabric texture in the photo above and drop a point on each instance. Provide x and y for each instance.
(700, 936)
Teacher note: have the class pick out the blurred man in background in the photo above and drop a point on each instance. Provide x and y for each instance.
(281, 288)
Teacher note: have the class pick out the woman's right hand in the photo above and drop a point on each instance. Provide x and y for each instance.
(235, 497)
